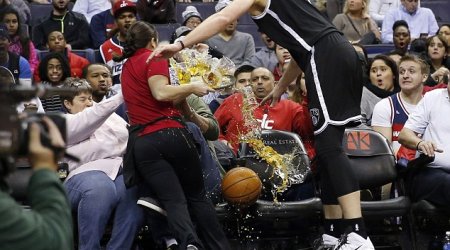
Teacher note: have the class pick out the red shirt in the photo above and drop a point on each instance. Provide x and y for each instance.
(142, 106)
(286, 115)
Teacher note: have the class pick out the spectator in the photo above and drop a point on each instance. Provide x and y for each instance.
(297, 92)
(378, 8)
(236, 45)
(265, 57)
(99, 78)
(72, 24)
(156, 11)
(356, 24)
(57, 43)
(191, 17)
(91, 7)
(418, 47)
(53, 70)
(391, 113)
(20, 42)
(421, 21)
(242, 77)
(283, 58)
(149, 96)
(124, 17)
(101, 25)
(21, 7)
(19, 66)
(48, 224)
(437, 54)
(231, 121)
(383, 75)
(402, 36)
(444, 31)
(431, 182)
(95, 185)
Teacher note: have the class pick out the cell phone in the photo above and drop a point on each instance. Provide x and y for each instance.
(423, 35)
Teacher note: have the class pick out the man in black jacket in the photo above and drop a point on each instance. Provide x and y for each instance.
(73, 25)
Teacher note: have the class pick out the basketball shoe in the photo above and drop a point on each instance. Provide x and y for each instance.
(354, 241)
(325, 242)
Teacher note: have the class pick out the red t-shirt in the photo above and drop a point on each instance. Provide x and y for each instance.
(142, 106)
(286, 115)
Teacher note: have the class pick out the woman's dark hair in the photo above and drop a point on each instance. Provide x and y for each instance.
(441, 38)
(400, 23)
(24, 40)
(138, 36)
(391, 64)
(443, 25)
(44, 62)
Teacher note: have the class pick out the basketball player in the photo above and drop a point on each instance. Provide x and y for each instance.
(334, 82)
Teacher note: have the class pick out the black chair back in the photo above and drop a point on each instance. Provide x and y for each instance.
(371, 157)
(282, 142)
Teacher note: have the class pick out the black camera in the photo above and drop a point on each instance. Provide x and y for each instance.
(14, 127)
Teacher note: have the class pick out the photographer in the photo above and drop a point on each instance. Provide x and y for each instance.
(48, 225)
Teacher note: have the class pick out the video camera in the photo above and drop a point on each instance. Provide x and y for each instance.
(14, 129)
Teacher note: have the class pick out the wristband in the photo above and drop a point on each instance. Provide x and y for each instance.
(181, 43)
(417, 146)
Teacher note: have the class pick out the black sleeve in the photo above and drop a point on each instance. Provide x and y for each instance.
(83, 40)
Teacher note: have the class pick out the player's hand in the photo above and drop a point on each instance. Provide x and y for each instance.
(274, 96)
(200, 89)
(166, 51)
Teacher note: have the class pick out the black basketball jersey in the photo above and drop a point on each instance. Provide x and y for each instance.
(294, 24)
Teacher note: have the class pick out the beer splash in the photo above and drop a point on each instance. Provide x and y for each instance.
(285, 171)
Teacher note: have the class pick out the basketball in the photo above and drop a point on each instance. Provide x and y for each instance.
(241, 186)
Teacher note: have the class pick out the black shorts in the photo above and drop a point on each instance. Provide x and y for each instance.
(334, 83)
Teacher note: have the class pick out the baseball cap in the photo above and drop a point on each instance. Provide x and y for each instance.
(4, 31)
(123, 5)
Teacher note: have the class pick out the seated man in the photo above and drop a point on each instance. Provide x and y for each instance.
(285, 115)
(431, 183)
(56, 42)
(421, 21)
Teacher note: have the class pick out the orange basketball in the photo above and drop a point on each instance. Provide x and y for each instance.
(241, 186)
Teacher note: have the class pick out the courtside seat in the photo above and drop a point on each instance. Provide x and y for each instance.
(374, 164)
(269, 219)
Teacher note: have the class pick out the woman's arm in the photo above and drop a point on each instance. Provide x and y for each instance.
(162, 91)
(80, 126)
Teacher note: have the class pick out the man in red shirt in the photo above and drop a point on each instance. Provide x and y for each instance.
(285, 115)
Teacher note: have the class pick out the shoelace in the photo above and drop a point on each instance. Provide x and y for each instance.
(342, 241)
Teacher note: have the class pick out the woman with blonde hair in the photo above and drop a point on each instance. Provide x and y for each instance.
(356, 24)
